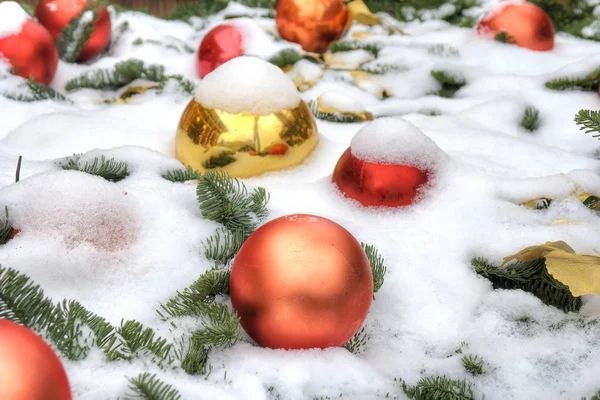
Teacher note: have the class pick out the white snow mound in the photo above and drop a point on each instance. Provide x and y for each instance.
(12, 18)
(341, 102)
(396, 141)
(247, 85)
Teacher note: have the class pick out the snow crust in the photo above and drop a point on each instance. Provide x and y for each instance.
(341, 102)
(12, 18)
(247, 85)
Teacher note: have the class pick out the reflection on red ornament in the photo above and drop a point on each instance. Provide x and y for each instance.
(220, 45)
(526, 24)
(374, 184)
(31, 52)
(56, 14)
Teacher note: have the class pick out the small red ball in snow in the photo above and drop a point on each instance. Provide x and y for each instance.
(220, 45)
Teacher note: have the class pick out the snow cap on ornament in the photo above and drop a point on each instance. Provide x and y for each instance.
(246, 118)
(388, 163)
(26, 45)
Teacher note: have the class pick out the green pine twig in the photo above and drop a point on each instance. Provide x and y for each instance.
(182, 83)
(595, 396)
(72, 38)
(110, 170)
(439, 387)
(138, 341)
(223, 245)
(149, 387)
(504, 37)
(203, 9)
(120, 75)
(531, 277)
(586, 83)
(473, 364)
(178, 175)
(358, 342)
(530, 118)
(37, 92)
(285, 57)
(171, 43)
(381, 69)
(331, 117)
(378, 267)
(349, 45)
(589, 121)
(6, 230)
(451, 82)
(443, 50)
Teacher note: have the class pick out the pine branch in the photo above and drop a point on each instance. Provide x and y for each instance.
(122, 74)
(110, 170)
(587, 83)
(73, 36)
(177, 175)
(504, 37)
(332, 117)
(473, 364)
(595, 396)
(195, 361)
(116, 37)
(571, 16)
(172, 43)
(191, 302)
(183, 84)
(451, 82)
(439, 388)
(149, 387)
(28, 9)
(378, 267)
(348, 45)
(358, 342)
(530, 277)
(530, 118)
(381, 69)
(203, 9)
(285, 57)
(589, 122)
(443, 50)
(37, 92)
(138, 341)
(226, 200)
(6, 231)
(223, 245)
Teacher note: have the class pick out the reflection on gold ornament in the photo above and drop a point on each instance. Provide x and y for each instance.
(245, 145)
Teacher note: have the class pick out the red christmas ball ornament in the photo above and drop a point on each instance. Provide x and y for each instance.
(220, 45)
(388, 163)
(526, 25)
(301, 281)
(56, 14)
(313, 24)
(29, 368)
(26, 45)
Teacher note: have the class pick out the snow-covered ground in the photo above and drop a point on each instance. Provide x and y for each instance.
(148, 232)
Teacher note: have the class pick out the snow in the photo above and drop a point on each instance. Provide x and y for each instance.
(12, 18)
(341, 102)
(248, 85)
(121, 255)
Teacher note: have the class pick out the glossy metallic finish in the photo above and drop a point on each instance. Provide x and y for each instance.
(313, 24)
(301, 281)
(245, 145)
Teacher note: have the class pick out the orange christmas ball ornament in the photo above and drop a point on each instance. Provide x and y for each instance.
(55, 15)
(29, 368)
(26, 45)
(313, 24)
(301, 281)
(525, 24)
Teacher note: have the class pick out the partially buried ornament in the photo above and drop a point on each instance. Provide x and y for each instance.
(313, 24)
(301, 281)
(524, 24)
(29, 368)
(55, 15)
(26, 45)
(388, 163)
(246, 118)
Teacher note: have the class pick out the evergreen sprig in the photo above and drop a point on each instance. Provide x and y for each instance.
(170, 43)
(530, 118)
(223, 245)
(504, 37)
(331, 117)
(120, 75)
(586, 83)
(178, 175)
(149, 387)
(6, 230)
(473, 364)
(443, 50)
(357, 343)
(285, 57)
(203, 9)
(226, 200)
(595, 396)
(439, 388)
(451, 82)
(110, 170)
(72, 38)
(532, 277)
(381, 69)
(37, 92)
(571, 16)
(378, 267)
(589, 122)
(348, 45)
(138, 341)
(184, 84)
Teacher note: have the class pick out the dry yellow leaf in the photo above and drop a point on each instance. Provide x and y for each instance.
(360, 35)
(534, 252)
(361, 13)
(580, 273)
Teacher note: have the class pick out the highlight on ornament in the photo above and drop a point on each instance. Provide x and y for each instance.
(26, 45)
(301, 281)
(55, 15)
(246, 118)
(389, 163)
(519, 22)
(29, 368)
(314, 24)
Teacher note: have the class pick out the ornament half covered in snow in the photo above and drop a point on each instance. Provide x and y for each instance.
(522, 23)
(314, 24)
(26, 45)
(301, 281)
(246, 118)
(388, 163)
(55, 15)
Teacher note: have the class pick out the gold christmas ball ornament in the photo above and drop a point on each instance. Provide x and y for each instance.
(246, 118)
